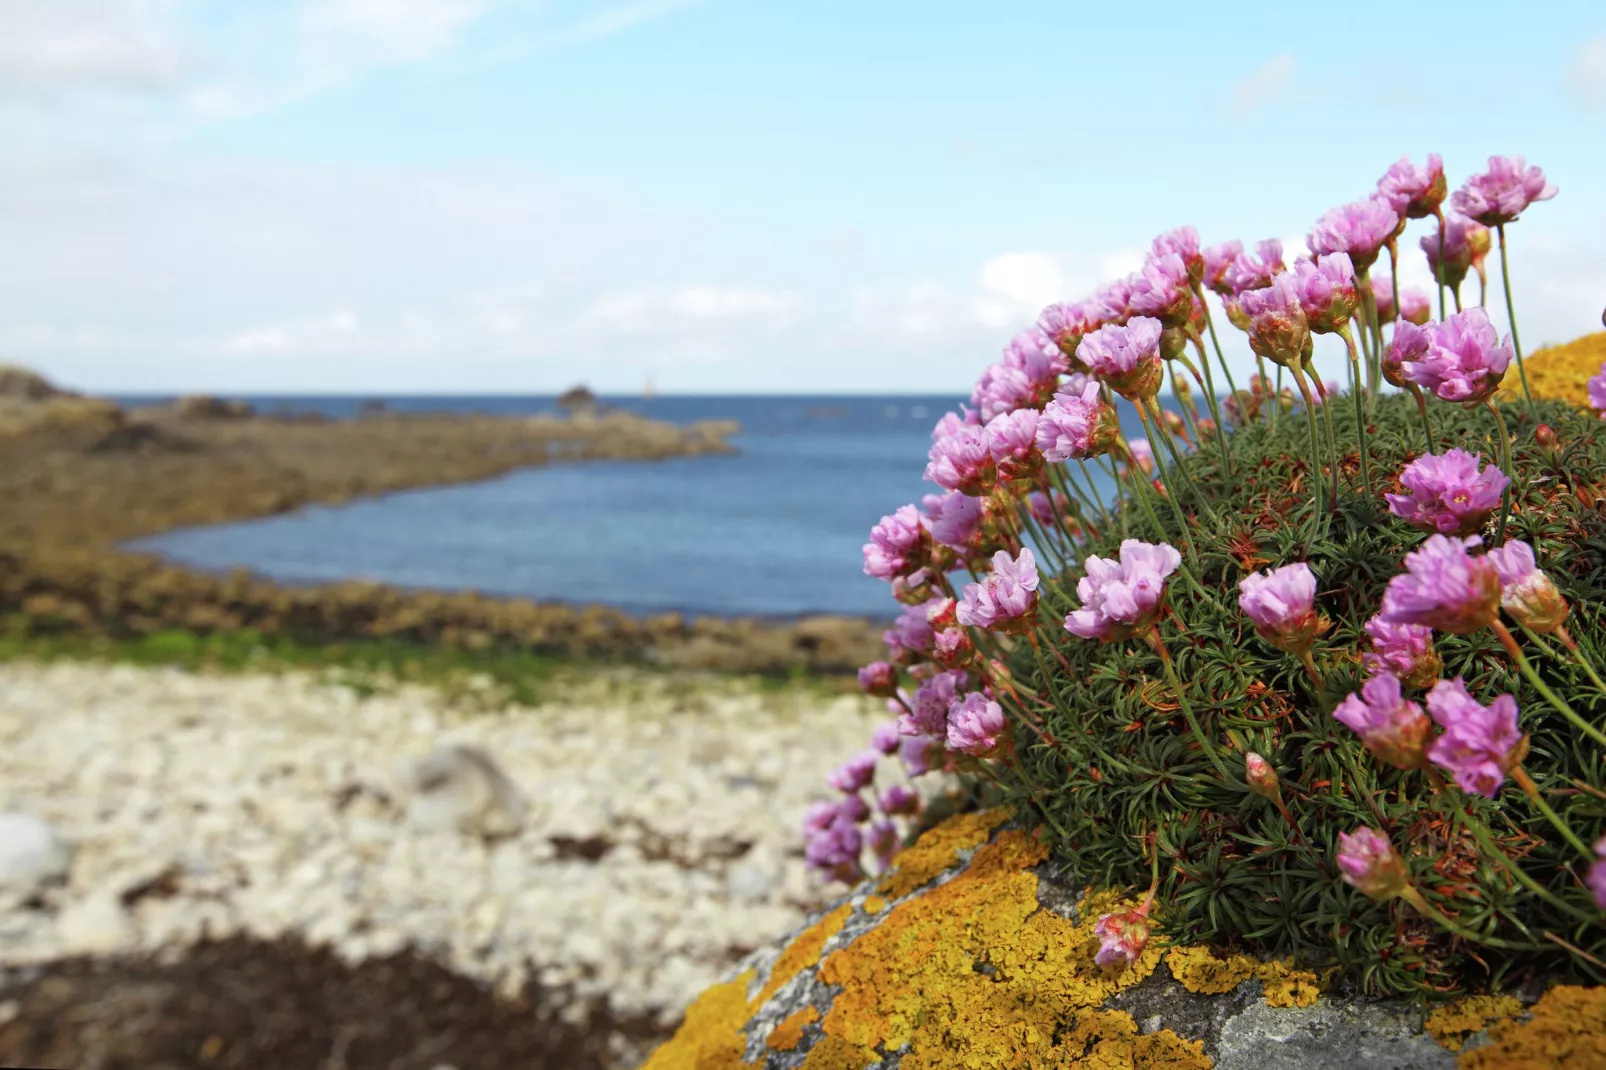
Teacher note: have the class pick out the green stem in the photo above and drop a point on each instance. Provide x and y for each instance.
(1209, 389)
(1171, 491)
(1187, 710)
(1530, 789)
(1481, 833)
(1360, 412)
(1427, 910)
(1578, 655)
(1505, 464)
(1422, 410)
(1176, 464)
(1438, 275)
(1510, 643)
(1511, 314)
(1315, 451)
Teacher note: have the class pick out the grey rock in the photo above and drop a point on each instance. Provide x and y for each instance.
(461, 787)
(1329, 1035)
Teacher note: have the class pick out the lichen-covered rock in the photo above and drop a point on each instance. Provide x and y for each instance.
(975, 952)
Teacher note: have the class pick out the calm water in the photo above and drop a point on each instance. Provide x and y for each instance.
(773, 531)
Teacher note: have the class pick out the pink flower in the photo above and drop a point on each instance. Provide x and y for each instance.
(1445, 588)
(1402, 650)
(898, 545)
(1122, 598)
(1480, 743)
(962, 461)
(1409, 345)
(951, 422)
(1326, 291)
(1500, 194)
(1526, 592)
(1414, 192)
(1278, 329)
(975, 724)
(1142, 455)
(855, 773)
(884, 841)
(1025, 378)
(1254, 271)
(1359, 230)
(1465, 360)
(1122, 937)
(1012, 440)
(879, 678)
(920, 754)
(897, 799)
(1394, 730)
(928, 713)
(911, 635)
(1067, 323)
(1414, 303)
(834, 850)
(1217, 260)
(953, 648)
(1597, 874)
(956, 521)
(1006, 599)
(1182, 243)
(1448, 493)
(887, 735)
(1282, 603)
(1369, 864)
(1465, 244)
(1077, 425)
(1597, 391)
(1112, 303)
(1161, 290)
(1126, 357)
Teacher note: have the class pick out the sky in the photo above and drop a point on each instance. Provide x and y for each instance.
(724, 196)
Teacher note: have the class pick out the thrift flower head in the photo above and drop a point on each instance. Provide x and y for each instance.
(1359, 230)
(1326, 291)
(1254, 271)
(1282, 603)
(1402, 650)
(879, 678)
(1142, 455)
(1277, 328)
(951, 422)
(1448, 493)
(962, 461)
(1465, 359)
(953, 648)
(1006, 599)
(855, 773)
(911, 635)
(898, 799)
(1012, 440)
(1126, 357)
(975, 724)
(1414, 192)
(1500, 194)
(928, 714)
(1067, 323)
(1113, 303)
(886, 736)
(1409, 345)
(1369, 864)
(1122, 598)
(1414, 304)
(897, 545)
(1122, 938)
(956, 521)
(1526, 592)
(1182, 243)
(1480, 744)
(884, 841)
(1445, 588)
(1394, 729)
(1161, 290)
(834, 851)
(1078, 425)
(1217, 260)
(1465, 244)
(1596, 878)
(920, 754)
(1597, 390)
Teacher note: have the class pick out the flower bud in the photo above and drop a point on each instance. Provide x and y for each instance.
(1174, 423)
(1526, 592)
(1261, 776)
(1545, 435)
(1173, 343)
(1370, 864)
(1207, 427)
(879, 678)
(1122, 938)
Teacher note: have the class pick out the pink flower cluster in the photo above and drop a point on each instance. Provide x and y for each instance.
(1448, 493)
(1461, 359)
(1501, 193)
(1124, 597)
(1282, 604)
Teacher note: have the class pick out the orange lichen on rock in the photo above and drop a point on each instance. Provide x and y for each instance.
(1199, 970)
(874, 904)
(937, 850)
(1452, 1023)
(833, 1053)
(803, 952)
(710, 1037)
(1566, 1031)
(975, 973)
(1559, 371)
(789, 1032)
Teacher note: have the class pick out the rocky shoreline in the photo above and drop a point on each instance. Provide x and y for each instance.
(79, 476)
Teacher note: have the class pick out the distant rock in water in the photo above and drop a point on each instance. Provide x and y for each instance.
(579, 400)
(208, 407)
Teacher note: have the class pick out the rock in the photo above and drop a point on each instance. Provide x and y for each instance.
(97, 925)
(461, 787)
(972, 951)
(578, 399)
(26, 385)
(31, 856)
(207, 407)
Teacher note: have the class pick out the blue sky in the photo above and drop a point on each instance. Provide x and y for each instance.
(387, 196)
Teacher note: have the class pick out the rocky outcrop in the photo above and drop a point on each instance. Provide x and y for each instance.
(21, 384)
(975, 952)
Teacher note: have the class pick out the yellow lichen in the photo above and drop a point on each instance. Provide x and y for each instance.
(874, 904)
(937, 850)
(1559, 371)
(973, 973)
(786, 1035)
(1567, 1031)
(833, 1053)
(1199, 970)
(1289, 988)
(1452, 1023)
(803, 952)
(710, 1037)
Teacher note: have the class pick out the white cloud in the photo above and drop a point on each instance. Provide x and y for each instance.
(389, 29)
(1263, 84)
(1587, 76)
(53, 48)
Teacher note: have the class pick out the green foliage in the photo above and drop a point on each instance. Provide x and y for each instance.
(1129, 778)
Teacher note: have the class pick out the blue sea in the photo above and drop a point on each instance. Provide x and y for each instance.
(773, 531)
